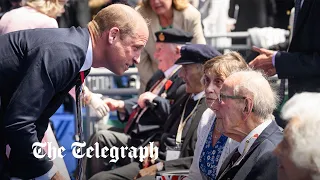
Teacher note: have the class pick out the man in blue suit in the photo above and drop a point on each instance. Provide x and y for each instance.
(39, 67)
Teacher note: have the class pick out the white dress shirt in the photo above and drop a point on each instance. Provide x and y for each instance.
(247, 142)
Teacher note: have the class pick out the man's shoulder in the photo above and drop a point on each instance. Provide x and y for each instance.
(270, 142)
(71, 39)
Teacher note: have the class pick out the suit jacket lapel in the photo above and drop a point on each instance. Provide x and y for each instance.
(268, 131)
(303, 13)
(174, 79)
(174, 117)
(154, 79)
(194, 124)
(225, 164)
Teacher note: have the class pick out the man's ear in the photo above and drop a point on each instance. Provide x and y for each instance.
(112, 34)
(178, 48)
(248, 106)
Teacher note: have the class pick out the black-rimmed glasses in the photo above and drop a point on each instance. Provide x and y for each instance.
(221, 96)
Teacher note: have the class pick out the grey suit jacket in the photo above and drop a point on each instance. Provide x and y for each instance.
(37, 69)
(258, 163)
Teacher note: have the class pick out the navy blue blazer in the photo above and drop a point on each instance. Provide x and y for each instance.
(259, 163)
(37, 69)
(301, 64)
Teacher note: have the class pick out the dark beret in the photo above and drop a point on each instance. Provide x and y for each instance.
(196, 53)
(172, 35)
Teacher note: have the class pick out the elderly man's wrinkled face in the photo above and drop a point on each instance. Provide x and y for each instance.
(212, 85)
(287, 170)
(160, 7)
(165, 54)
(125, 51)
(191, 75)
(228, 113)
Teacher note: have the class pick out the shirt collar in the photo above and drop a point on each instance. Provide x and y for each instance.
(88, 61)
(251, 137)
(197, 96)
(168, 72)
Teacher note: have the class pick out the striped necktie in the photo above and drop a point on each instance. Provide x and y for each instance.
(79, 121)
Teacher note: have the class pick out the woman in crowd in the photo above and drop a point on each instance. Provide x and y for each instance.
(35, 14)
(166, 14)
(212, 147)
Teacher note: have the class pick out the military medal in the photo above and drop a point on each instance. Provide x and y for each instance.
(166, 87)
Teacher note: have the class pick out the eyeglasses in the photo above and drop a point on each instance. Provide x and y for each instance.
(221, 96)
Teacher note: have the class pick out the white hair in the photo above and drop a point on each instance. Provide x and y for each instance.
(305, 136)
(264, 97)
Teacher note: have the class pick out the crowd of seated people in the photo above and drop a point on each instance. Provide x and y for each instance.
(220, 126)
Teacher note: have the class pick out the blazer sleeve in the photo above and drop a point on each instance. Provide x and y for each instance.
(43, 80)
(265, 168)
(297, 65)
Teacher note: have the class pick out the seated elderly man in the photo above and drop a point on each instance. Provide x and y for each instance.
(178, 141)
(163, 89)
(299, 152)
(244, 109)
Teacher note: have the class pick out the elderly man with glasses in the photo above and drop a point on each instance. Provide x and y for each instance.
(257, 132)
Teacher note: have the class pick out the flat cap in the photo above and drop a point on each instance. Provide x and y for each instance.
(172, 35)
(196, 53)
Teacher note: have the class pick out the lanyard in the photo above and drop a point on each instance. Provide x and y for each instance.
(79, 122)
(246, 148)
(184, 121)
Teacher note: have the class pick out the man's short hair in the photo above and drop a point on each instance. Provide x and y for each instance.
(264, 97)
(305, 135)
(121, 16)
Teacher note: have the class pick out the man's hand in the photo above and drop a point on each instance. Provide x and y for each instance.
(57, 176)
(152, 170)
(114, 104)
(263, 61)
(99, 105)
(144, 97)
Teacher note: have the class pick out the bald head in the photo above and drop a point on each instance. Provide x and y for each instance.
(121, 16)
(254, 84)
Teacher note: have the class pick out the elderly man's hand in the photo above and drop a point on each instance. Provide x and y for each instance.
(114, 104)
(263, 61)
(144, 97)
(152, 170)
